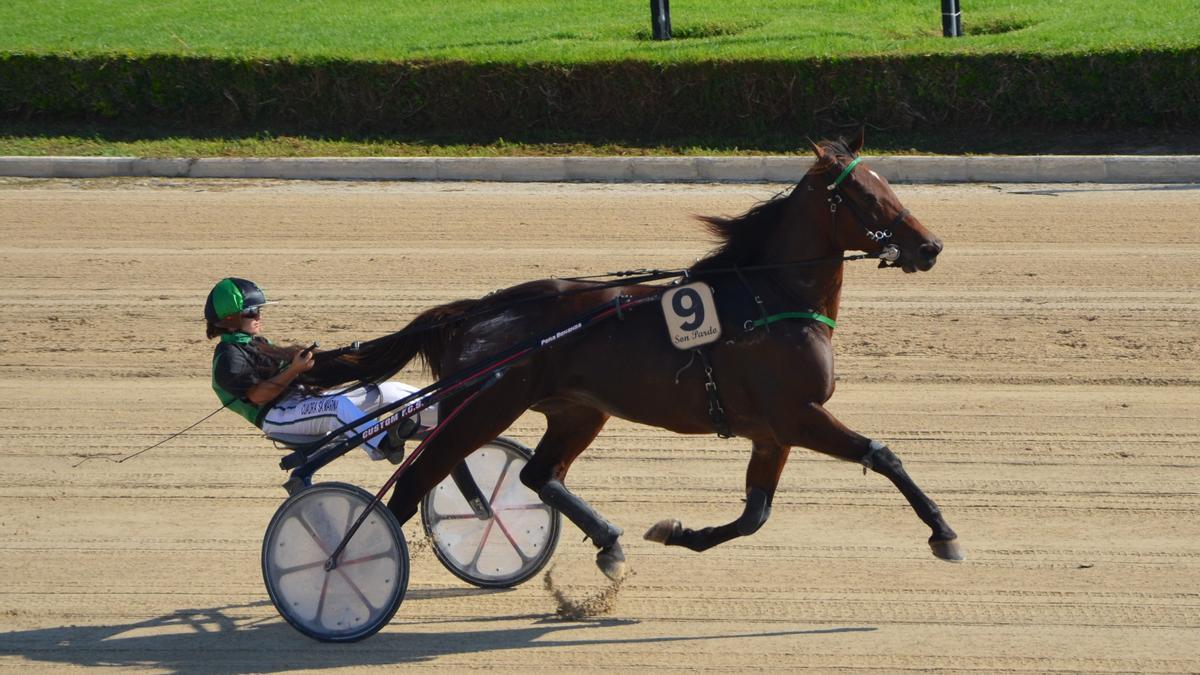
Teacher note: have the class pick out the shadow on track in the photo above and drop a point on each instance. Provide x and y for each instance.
(237, 639)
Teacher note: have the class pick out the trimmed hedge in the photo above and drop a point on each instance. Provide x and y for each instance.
(1135, 89)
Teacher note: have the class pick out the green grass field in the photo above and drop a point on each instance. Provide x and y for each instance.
(578, 31)
(584, 30)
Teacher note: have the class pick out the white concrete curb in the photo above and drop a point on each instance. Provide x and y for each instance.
(904, 169)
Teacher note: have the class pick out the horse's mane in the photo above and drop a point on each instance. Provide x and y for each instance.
(741, 237)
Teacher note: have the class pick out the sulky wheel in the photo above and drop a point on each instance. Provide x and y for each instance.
(361, 594)
(505, 549)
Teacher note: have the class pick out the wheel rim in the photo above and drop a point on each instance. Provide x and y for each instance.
(504, 547)
(356, 597)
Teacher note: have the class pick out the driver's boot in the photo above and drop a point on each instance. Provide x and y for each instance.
(392, 446)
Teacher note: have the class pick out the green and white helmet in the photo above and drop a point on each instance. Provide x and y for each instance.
(232, 296)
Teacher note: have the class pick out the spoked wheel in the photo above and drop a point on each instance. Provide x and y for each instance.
(512, 545)
(360, 595)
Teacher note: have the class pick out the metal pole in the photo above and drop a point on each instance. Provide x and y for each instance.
(660, 19)
(951, 19)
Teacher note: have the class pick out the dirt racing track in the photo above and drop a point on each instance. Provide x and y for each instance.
(1042, 383)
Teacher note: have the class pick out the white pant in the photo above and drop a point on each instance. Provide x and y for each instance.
(304, 414)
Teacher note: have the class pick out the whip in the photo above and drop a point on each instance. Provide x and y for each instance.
(310, 348)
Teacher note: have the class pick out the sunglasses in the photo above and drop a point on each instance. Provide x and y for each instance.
(252, 313)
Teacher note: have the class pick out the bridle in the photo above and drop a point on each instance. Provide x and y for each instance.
(836, 199)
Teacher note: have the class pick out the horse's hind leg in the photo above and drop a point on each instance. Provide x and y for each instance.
(824, 433)
(762, 476)
(479, 422)
(569, 431)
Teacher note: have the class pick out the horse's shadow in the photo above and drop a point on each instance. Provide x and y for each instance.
(229, 640)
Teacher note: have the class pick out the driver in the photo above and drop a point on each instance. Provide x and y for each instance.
(256, 379)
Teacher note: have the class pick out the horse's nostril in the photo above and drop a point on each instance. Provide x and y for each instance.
(930, 251)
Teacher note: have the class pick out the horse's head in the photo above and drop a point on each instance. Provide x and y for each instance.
(864, 213)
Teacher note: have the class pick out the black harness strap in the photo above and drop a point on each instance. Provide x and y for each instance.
(715, 411)
(762, 308)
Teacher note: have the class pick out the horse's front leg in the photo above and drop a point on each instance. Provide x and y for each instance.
(762, 476)
(822, 432)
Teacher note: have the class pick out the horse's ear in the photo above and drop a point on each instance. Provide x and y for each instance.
(857, 144)
(817, 149)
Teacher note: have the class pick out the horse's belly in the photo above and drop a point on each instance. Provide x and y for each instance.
(759, 379)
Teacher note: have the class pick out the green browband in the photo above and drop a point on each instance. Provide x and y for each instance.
(846, 172)
(796, 315)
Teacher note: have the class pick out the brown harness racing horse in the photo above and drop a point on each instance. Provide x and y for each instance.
(772, 380)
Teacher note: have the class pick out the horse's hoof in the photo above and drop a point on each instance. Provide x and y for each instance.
(611, 561)
(663, 530)
(947, 549)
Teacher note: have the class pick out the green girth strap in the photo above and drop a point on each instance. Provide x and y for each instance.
(815, 316)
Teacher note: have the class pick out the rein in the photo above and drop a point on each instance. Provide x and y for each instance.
(625, 278)
(652, 274)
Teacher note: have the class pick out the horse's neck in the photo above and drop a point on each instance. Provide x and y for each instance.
(819, 286)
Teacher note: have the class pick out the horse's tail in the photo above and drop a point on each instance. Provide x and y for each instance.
(379, 359)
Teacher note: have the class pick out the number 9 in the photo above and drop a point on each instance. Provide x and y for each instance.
(694, 307)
